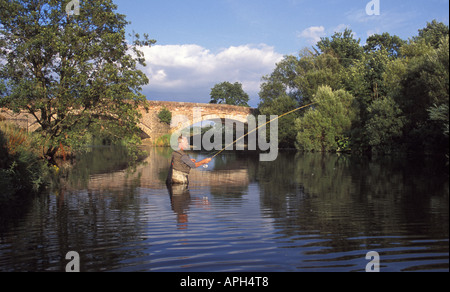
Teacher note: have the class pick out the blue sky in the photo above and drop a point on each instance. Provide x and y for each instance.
(204, 42)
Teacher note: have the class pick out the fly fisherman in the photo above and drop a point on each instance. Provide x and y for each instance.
(182, 164)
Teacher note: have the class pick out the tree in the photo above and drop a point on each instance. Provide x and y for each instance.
(440, 115)
(342, 45)
(299, 78)
(433, 33)
(281, 82)
(424, 86)
(384, 126)
(227, 93)
(400, 89)
(165, 116)
(323, 127)
(385, 41)
(71, 73)
(279, 106)
(315, 71)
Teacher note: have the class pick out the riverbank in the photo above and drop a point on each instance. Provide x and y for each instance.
(22, 171)
(26, 171)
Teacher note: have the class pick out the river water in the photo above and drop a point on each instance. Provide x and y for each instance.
(302, 212)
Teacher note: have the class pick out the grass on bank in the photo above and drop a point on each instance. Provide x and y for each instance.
(23, 172)
(163, 141)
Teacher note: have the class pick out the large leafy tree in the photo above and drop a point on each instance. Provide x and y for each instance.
(299, 78)
(227, 93)
(71, 72)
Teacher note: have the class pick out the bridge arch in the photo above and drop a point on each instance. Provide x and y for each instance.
(180, 123)
(186, 114)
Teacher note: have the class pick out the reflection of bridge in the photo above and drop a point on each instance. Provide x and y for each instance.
(184, 114)
(153, 173)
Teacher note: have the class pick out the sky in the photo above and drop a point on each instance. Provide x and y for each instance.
(201, 43)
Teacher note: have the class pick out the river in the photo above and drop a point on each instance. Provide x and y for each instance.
(302, 212)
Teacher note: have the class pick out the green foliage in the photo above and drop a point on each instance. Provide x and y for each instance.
(165, 116)
(279, 106)
(400, 90)
(73, 73)
(227, 93)
(22, 171)
(2, 89)
(316, 71)
(327, 126)
(384, 126)
(433, 33)
(163, 141)
(281, 82)
(299, 78)
(425, 84)
(384, 42)
(343, 45)
(440, 114)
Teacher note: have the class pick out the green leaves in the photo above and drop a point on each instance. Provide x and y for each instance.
(227, 93)
(165, 116)
(384, 42)
(71, 73)
(343, 45)
(328, 122)
(400, 90)
(286, 132)
(385, 124)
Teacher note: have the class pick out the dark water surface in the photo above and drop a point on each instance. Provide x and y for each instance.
(303, 212)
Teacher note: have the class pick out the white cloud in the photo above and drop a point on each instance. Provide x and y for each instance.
(177, 71)
(313, 34)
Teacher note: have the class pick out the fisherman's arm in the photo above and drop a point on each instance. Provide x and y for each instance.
(203, 162)
(186, 159)
(192, 163)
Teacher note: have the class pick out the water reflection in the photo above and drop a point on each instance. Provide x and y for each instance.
(180, 199)
(357, 204)
(337, 190)
(302, 212)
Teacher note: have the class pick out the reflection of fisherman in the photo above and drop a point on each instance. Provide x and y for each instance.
(180, 199)
(182, 164)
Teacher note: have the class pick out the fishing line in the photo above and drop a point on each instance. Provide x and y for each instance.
(254, 130)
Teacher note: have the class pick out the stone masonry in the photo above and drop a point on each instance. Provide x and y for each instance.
(184, 114)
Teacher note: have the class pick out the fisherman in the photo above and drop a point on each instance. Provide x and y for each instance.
(182, 164)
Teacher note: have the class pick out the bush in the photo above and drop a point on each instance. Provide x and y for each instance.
(22, 171)
(163, 141)
(165, 116)
(327, 126)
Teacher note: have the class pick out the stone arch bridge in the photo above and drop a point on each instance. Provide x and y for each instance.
(184, 114)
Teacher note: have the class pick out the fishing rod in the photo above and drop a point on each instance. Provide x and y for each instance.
(254, 130)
